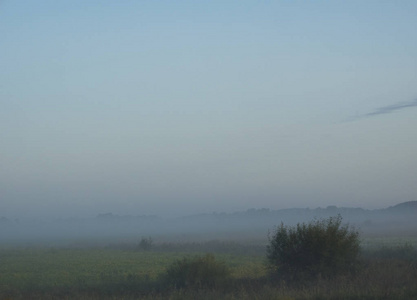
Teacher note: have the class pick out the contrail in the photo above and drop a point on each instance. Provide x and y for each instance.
(386, 110)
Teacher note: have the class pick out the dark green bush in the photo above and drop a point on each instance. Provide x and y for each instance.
(321, 248)
(199, 272)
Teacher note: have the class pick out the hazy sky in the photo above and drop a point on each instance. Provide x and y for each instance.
(178, 107)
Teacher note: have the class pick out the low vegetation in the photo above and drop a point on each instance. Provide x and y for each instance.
(324, 248)
(94, 273)
(145, 243)
(197, 272)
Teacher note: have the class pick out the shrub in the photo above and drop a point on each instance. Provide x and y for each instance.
(145, 244)
(200, 271)
(321, 248)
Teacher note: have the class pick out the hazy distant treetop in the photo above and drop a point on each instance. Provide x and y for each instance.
(407, 206)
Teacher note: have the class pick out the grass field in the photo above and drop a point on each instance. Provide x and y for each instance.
(34, 269)
(111, 273)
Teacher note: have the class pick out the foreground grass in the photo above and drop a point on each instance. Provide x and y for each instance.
(98, 269)
(120, 274)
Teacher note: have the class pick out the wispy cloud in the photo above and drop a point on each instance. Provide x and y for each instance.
(386, 110)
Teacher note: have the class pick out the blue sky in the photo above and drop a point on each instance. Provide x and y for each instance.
(177, 107)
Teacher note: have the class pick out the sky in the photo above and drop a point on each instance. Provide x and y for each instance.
(182, 107)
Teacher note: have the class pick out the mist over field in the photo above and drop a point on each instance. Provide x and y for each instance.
(208, 149)
(139, 118)
(247, 227)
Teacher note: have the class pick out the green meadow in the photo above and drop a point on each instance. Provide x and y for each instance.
(36, 270)
(387, 272)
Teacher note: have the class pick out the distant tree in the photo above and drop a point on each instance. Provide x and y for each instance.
(321, 248)
(145, 243)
